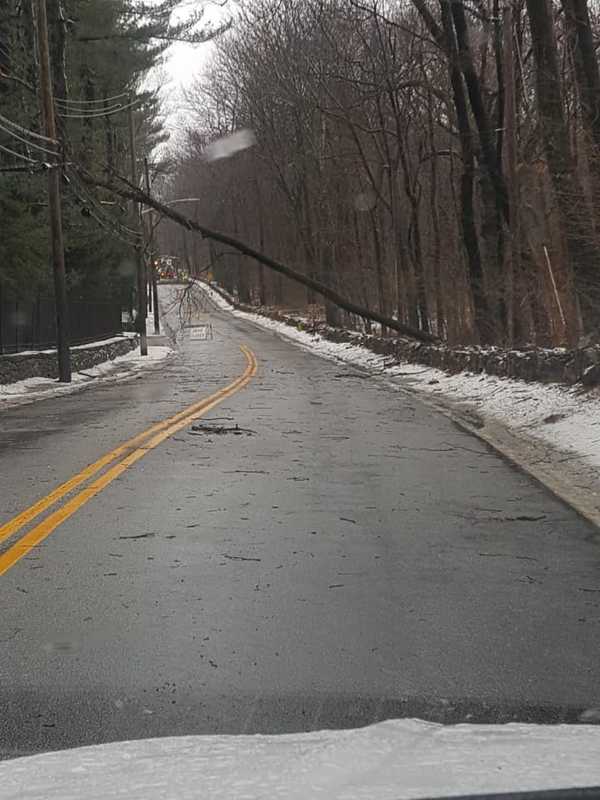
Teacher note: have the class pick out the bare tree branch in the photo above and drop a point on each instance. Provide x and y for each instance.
(130, 192)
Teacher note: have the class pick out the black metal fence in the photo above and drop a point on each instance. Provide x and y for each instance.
(31, 325)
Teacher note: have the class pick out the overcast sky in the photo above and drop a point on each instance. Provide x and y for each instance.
(184, 63)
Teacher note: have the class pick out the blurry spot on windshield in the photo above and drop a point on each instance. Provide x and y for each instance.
(227, 146)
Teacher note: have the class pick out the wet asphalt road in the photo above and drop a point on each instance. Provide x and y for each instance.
(352, 556)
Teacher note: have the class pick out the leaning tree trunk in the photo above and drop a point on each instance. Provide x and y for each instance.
(586, 62)
(130, 192)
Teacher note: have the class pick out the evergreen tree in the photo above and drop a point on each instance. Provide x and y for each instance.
(101, 51)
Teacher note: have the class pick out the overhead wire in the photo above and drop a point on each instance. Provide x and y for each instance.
(92, 111)
(70, 108)
(27, 142)
(95, 209)
(19, 67)
(104, 224)
(26, 131)
(20, 155)
(73, 101)
(94, 114)
(73, 178)
(28, 169)
(128, 235)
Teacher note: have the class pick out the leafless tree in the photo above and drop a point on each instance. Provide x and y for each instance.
(434, 160)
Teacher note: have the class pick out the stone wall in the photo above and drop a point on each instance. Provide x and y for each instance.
(557, 365)
(545, 366)
(44, 364)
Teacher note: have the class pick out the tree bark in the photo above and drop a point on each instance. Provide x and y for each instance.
(484, 322)
(493, 188)
(582, 251)
(587, 75)
(480, 115)
(509, 117)
(586, 62)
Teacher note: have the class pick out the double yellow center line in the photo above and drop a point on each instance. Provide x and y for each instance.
(125, 455)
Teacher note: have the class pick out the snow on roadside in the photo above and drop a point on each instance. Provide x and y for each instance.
(564, 418)
(88, 346)
(119, 368)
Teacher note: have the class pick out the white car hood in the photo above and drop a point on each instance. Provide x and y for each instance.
(388, 761)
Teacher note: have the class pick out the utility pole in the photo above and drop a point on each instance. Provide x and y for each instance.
(148, 237)
(152, 266)
(140, 320)
(54, 201)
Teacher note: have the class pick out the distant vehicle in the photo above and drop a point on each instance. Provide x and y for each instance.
(170, 274)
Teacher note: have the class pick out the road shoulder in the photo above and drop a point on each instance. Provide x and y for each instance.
(126, 367)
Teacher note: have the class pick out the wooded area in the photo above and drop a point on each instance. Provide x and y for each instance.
(101, 52)
(435, 160)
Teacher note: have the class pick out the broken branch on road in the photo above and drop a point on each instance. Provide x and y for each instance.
(220, 430)
(240, 558)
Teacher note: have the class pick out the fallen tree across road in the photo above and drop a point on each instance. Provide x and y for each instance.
(128, 191)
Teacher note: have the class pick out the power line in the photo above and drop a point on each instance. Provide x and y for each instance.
(27, 169)
(103, 223)
(27, 142)
(26, 131)
(92, 110)
(69, 101)
(94, 114)
(126, 234)
(106, 226)
(19, 155)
